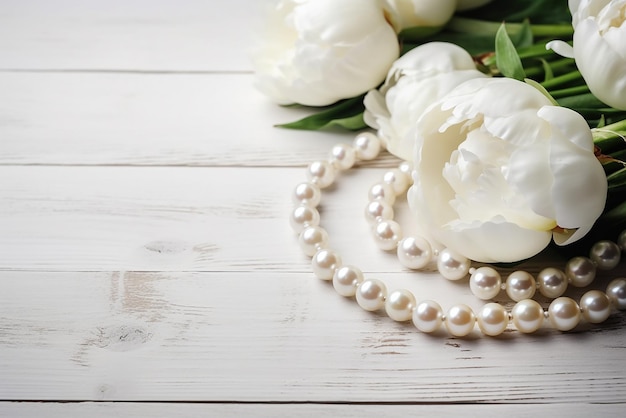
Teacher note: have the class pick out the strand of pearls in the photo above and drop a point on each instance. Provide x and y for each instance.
(527, 315)
(415, 252)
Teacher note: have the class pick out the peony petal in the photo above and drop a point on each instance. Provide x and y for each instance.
(529, 171)
(561, 48)
(601, 63)
(580, 188)
(493, 242)
(413, 13)
(318, 52)
(375, 108)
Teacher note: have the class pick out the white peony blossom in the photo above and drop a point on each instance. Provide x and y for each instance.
(499, 171)
(316, 52)
(599, 47)
(470, 4)
(414, 82)
(430, 13)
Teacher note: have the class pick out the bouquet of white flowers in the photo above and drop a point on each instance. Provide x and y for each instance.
(513, 114)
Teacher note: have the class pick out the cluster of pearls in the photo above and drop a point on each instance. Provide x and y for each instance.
(428, 316)
(415, 252)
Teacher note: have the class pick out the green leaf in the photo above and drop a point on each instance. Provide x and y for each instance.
(547, 70)
(351, 123)
(617, 180)
(507, 60)
(347, 114)
(539, 87)
(523, 38)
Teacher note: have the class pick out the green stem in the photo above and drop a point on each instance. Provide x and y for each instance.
(534, 51)
(569, 91)
(562, 79)
(617, 126)
(475, 26)
(610, 136)
(555, 66)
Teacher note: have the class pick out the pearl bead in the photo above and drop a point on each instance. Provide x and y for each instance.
(492, 319)
(371, 295)
(552, 282)
(595, 306)
(324, 263)
(616, 291)
(460, 320)
(342, 156)
(605, 254)
(485, 283)
(564, 313)
(621, 240)
(378, 209)
(307, 194)
(382, 191)
(520, 285)
(451, 265)
(321, 173)
(346, 280)
(406, 168)
(303, 216)
(414, 252)
(387, 234)
(399, 305)
(367, 146)
(580, 271)
(397, 180)
(428, 316)
(313, 238)
(527, 316)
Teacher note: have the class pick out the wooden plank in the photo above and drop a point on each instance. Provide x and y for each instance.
(127, 35)
(157, 119)
(254, 337)
(169, 219)
(156, 410)
(178, 219)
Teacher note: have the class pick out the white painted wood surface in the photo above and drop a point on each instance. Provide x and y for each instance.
(145, 254)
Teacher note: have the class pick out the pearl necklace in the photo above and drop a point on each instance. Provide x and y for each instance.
(415, 252)
(527, 315)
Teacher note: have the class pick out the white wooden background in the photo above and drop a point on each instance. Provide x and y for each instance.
(146, 263)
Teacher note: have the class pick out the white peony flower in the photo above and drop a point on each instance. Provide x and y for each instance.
(414, 82)
(316, 52)
(499, 171)
(599, 47)
(470, 4)
(430, 13)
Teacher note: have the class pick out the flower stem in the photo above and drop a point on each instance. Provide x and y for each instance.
(571, 91)
(475, 26)
(562, 79)
(610, 137)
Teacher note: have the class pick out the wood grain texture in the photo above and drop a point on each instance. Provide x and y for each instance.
(127, 35)
(154, 119)
(146, 260)
(162, 218)
(177, 410)
(286, 337)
